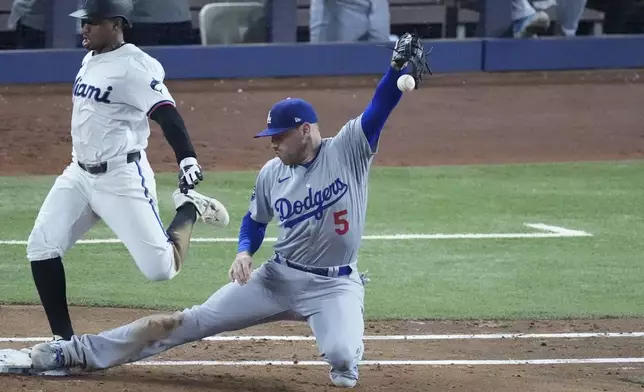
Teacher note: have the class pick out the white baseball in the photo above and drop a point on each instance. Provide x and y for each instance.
(406, 83)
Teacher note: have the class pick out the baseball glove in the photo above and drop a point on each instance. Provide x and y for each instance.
(409, 50)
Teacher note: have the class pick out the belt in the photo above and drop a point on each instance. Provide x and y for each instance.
(322, 271)
(99, 168)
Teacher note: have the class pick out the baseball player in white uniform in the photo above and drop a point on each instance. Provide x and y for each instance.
(116, 90)
(316, 189)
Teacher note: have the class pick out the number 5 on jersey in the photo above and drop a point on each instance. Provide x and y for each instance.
(340, 220)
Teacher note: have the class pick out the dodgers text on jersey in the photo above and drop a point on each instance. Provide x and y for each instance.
(312, 206)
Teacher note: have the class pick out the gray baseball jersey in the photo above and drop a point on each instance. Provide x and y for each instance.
(319, 210)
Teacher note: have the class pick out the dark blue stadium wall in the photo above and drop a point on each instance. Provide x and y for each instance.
(561, 54)
(275, 60)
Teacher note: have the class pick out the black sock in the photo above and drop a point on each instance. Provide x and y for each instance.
(49, 277)
(186, 215)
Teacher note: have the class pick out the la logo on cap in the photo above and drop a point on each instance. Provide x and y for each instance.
(268, 119)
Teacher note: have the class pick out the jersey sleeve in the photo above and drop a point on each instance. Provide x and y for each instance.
(260, 201)
(145, 88)
(352, 145)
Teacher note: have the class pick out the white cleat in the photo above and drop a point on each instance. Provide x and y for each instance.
(343, 381)
(27, 350)
(50, 359)
(56, 372)
(209, 209)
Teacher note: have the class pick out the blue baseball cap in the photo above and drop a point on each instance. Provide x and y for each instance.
(287, 114)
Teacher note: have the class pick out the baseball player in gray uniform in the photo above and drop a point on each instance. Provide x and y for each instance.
(316, 192)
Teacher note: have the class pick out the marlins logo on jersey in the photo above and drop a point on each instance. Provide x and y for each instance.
(156, 85)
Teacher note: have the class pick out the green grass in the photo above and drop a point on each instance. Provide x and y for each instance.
(489, 278)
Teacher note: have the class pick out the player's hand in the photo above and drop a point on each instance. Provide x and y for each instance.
(189, 174)
(241, 269)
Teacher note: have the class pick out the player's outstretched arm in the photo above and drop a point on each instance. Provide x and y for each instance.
(382, 104)
(175, 132)
(407, 50)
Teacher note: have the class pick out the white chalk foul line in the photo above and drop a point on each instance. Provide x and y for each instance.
(550, 232)
(491, 336)
(559, 230)
(447, 362)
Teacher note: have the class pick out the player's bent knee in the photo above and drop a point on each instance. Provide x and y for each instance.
(158, 268)
(159, 274)
(38, 248)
